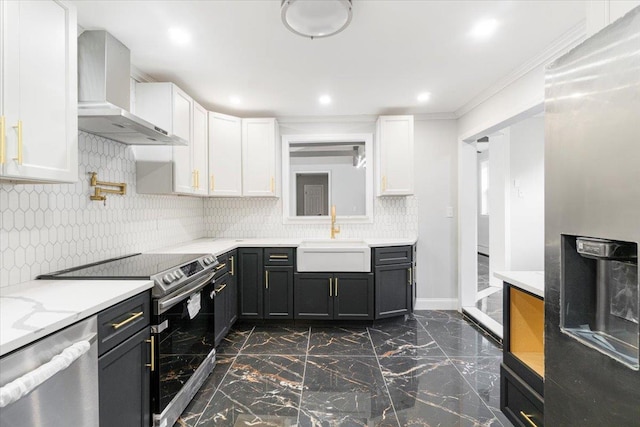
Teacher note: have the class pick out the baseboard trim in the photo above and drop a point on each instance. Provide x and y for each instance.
(437, 304)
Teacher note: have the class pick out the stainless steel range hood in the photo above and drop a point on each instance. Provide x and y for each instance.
(104, 93)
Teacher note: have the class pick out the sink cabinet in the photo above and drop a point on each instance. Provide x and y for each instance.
(319, 296)
(394, 281)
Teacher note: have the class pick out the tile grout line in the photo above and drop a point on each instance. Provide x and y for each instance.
(460, 373)
(384, 380)
(235, 357)
(304, 373)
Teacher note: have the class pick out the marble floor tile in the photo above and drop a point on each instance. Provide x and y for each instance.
(258, 390)
(277, 340)
(483, 373)
(235, 339)
(345, 391)
(403, 339)
(200, 401)
(340, 341)
(491, 305)
(431, 392)
(457, 338)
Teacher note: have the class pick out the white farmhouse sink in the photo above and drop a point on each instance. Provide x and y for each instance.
(334, 255)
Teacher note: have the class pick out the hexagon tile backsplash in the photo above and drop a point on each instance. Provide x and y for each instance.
(49, 227)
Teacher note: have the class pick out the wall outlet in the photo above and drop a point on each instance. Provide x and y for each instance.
(449, 212)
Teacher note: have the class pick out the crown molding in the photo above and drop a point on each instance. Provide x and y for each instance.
(327, 119)
(140, 76)
(561, 45)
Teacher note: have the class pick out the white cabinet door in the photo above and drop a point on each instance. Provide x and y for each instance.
(225, 155)
(199, 150)
(259, 157)
(394, 142)
(39, 91)
(182, 113)
(166, 106)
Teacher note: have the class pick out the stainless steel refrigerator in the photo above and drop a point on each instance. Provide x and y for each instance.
(592, 230)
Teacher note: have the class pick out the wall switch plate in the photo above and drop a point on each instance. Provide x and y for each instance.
(449, 211)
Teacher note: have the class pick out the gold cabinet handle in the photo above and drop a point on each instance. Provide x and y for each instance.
(193, 179)
(133, 317)
(279, 256)
(19, 127)
(212, 182)
(221, 266)
(384, 183)
(3, 140)
(336, 293)
(197, 179)
(233, 269)
(266, 279)
(217, 291)
(410, 275)
(152, 365)
(528, 419)
(330, 287)
(273, 184)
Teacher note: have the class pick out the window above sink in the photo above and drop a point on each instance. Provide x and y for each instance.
(322, 170)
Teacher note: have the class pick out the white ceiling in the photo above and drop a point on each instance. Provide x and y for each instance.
(392, 51)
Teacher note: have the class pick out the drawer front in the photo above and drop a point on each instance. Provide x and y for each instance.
(223, 267)
(278, 256)
(392, 255)
(523, 406)
(123, 320)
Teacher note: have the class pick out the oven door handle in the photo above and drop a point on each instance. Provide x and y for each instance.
(164, 305)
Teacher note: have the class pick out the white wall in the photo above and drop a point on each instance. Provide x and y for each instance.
(436, 189)
(601, 13)
(483, 220)
(527, 198)
(499, 205)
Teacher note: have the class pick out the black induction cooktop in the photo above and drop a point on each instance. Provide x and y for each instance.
(129, 267)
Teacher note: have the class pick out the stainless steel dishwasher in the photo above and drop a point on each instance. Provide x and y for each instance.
(54, 381)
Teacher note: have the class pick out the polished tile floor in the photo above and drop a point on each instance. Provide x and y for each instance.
(434, 370)
(491, 304)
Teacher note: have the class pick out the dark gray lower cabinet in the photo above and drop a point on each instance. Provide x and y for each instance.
(220, 312)
(346, 296)
(313, 296)
(394, 288)
(124, 383)
(250, 283)
(278, 293)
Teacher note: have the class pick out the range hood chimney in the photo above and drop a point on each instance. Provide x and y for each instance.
(104, 67)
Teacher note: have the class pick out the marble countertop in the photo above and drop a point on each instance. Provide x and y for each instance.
(220, 246)
(32, 310)
(530, 281)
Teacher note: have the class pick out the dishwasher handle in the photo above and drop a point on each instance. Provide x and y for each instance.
(20, 387)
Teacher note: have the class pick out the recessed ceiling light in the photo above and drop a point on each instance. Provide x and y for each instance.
(325, 100)
(424, 96)
(235, 100)
(179, 36)
(484, 29)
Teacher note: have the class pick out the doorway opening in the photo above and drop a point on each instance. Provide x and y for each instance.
(312, 194)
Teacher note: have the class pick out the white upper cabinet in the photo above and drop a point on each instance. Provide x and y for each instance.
(166, 106)
(394, 153)
(259, 157)
(225, 155)
(190, 163)
(38, 91)
(199, 144)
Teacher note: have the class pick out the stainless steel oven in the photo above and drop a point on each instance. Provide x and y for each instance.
(182, 322)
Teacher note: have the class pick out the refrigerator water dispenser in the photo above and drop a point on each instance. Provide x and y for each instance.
(599, 296)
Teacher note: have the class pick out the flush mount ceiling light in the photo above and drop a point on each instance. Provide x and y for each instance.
(316, 18)
(484, 29)
(423, 97)
(324, 100)
(179, 36)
